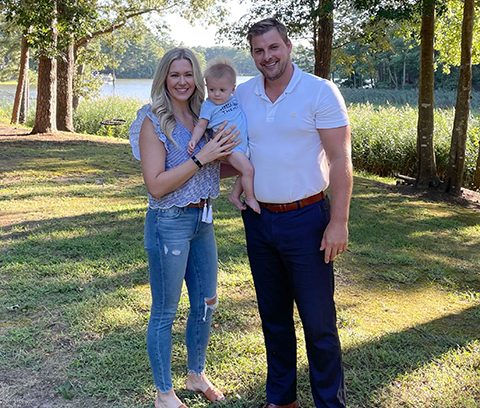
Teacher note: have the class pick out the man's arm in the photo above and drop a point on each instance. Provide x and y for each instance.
(337, 145)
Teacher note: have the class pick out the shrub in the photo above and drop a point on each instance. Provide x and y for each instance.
(5, 111)
(90, 114)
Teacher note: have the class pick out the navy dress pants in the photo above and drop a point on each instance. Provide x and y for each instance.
(287, 267)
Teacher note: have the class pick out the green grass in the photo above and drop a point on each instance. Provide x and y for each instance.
(74, 294)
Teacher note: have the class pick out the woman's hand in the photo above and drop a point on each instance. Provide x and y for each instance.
(221, 145)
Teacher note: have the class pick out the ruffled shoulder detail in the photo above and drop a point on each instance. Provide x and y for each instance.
(134, 132)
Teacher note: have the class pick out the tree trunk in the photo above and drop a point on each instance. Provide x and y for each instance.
(426, 165)
(76, 98)
(45, 114)
(21, 83)
(25, 103)
(392, 78)
(476, 175)
(324, 39)
(404, 72)
(45, 117)
(456, 163)
(65, 71)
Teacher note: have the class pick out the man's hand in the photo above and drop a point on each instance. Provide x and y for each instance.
(335, 240)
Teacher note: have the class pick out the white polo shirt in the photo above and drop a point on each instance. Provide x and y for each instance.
(285, 147)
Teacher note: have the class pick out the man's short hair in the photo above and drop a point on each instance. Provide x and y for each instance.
(219, 69)
(263, 26)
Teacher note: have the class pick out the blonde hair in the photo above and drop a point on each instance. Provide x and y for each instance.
(161, 102)
(220, 68)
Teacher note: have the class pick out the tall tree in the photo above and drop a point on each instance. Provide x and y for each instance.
(456, 165)
(323, 38)
(79, 21)
(21, 93)
(39, 22)
(426, 164)
(406, 10)
(45, 115)
(113, 16)
(303, 19)
(65, 71)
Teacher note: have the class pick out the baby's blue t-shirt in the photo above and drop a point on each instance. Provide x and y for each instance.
(230, 111)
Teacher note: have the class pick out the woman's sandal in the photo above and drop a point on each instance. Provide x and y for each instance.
(212, 393)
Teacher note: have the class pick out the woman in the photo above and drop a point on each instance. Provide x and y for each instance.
(179, 236)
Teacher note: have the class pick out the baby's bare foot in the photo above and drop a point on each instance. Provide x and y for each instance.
(235, 200)
(253, 204)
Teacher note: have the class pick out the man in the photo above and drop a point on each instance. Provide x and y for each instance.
(299, 144)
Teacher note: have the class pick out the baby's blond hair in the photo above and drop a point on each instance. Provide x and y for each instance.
(219, 69)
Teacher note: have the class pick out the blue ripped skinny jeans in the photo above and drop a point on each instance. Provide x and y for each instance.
(179, 246)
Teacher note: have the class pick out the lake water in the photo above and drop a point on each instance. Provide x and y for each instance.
(124, 88)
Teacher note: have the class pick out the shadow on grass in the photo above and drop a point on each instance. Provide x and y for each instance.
(110, 159)
(117, 367)
(68, 265)
(401, 240)
(42, 251)
(374, 365)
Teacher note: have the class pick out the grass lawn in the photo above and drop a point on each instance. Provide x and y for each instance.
(74, 294)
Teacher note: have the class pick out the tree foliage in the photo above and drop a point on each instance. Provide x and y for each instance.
(10, 40)
(57, 29)
(303, 19)
(449, 31)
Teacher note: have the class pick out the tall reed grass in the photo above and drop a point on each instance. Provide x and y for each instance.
(402, 97)
(384, 139)
(384, 126)
(91, 113)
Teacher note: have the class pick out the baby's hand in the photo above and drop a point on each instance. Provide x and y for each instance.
(191, 146)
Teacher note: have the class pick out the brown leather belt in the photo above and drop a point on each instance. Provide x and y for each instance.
(278, 208)
(197, 205)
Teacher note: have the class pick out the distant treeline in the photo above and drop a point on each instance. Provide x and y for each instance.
(136, 63)
(139, 63)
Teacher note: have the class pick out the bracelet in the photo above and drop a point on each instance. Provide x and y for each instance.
(197, 162)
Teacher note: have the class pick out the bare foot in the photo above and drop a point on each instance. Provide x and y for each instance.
(168, 400)
(200, 383)
(253, 204)
(235, 200)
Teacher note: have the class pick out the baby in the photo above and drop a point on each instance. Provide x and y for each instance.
(220, 106)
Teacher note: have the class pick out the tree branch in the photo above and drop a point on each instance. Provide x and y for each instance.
(81, 42)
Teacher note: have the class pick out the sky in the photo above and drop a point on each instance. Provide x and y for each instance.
(199, 34)
(183, 32)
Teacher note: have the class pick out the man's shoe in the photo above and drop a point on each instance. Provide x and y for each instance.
(292, 405)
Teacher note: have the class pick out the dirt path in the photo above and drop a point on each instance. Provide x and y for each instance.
(6, 130)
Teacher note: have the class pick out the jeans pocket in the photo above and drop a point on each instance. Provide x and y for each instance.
(169, 213)
(324, 209)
